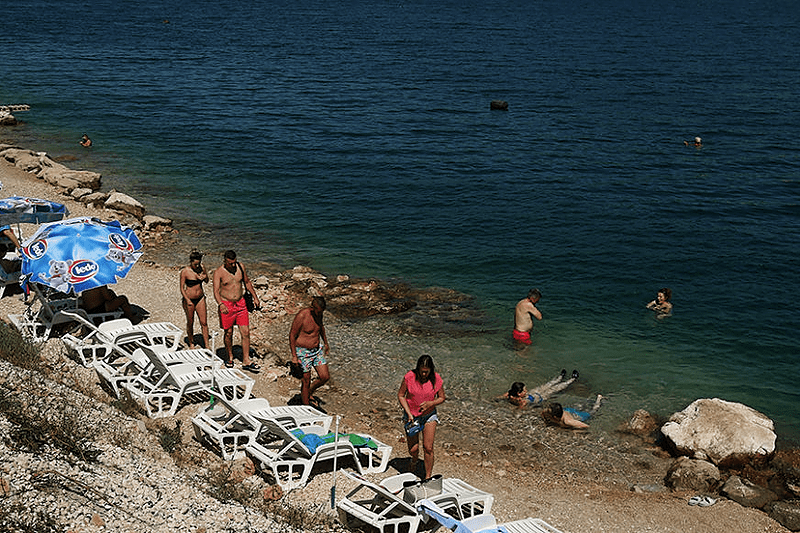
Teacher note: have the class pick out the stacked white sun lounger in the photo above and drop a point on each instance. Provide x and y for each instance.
(160, 390)
(230, 426)
(385, 508)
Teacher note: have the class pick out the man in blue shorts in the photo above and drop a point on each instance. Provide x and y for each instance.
(308, 345)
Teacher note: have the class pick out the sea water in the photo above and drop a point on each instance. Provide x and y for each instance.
(357, 138)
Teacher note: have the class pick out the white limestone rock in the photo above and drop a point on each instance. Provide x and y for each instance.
(716, 430)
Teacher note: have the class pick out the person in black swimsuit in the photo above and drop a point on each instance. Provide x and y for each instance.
(193, 296)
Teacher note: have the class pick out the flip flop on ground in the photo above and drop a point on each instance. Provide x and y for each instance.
(252, 367)
(229, 364)
(702, 501)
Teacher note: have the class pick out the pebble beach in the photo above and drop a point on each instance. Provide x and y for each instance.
(577, 481)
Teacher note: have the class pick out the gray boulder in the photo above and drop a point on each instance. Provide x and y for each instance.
(692, 474)
(787, 513)
(27, 160)
(72, 179)
(717, 430)
(122, 202)
(96, 199)
(154, 223)
(747, 494)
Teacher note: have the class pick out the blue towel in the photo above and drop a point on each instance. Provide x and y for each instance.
(313, 441)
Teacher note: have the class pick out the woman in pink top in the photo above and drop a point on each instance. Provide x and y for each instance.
(420, 392)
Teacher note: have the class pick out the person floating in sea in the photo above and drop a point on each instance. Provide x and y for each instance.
(85, 141)
(697, 143)
(193, 297)
(567, 417)
(523, 323)
(518, 393)
(662, 305)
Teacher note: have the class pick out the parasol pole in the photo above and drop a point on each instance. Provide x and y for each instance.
(335, 454)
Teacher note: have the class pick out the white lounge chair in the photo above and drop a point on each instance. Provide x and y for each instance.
(117, 337)
(161, 391)
(381, 508)
(471, 501)
(279, 449)
(136, 363)
(230, 426)
(483, 523)
(43, 314)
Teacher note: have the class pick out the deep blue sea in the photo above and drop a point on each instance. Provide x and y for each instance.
(357, 138)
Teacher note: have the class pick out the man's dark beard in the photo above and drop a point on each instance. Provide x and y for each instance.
(232, 269)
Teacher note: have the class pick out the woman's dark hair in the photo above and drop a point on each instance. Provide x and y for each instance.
(515, 389)
(552, 413)
(425, 361)
(195, 256)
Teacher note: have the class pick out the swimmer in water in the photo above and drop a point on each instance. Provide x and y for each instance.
(518, 393)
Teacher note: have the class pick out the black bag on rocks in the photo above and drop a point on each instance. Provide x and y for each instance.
(248, 301)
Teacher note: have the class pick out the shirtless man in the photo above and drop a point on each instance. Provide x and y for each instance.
(229, 282)
(523, 323)
(308, 345)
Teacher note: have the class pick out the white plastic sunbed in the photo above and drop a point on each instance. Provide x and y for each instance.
(124, 369)
(483, 523)
(290, 460)
(230, 426)
(117, 337)
(42, 315)
(161, 391)
(381, 507)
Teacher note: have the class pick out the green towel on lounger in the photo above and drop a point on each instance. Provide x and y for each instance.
(313, 441)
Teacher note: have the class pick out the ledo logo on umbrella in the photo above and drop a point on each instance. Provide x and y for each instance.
(36, 250)
(120, 242)
(82, 269)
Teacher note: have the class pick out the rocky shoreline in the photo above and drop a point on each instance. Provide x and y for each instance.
(576, 481)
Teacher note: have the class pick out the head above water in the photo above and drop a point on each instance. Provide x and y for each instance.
(425, 370)
(666, 292)
(534, 295)
(516, 389)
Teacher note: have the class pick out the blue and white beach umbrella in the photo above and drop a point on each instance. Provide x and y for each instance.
(78, 254)
(22, 209)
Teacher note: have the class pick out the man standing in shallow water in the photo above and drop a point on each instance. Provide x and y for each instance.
(523, 323)
(308, 345)
(230, 281)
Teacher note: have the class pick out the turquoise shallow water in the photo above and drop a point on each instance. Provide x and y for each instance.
(359, 140)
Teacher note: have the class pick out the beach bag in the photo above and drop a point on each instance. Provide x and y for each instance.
(248, 301)
(416, 490)
(296, 370)
(248, 297)
(412, 427)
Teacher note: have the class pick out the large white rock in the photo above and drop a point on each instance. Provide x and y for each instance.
(126, 204)
(714, 430)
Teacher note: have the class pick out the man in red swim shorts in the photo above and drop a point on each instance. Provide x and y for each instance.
(229, 282)
(523, 313)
